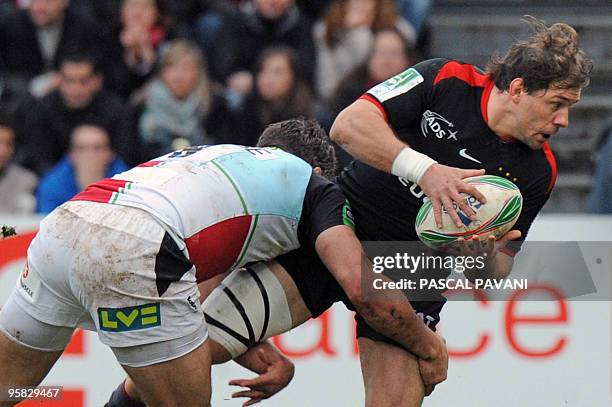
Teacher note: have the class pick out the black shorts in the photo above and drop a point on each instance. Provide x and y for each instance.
(429, 311)
(320, 291)
(318, 288)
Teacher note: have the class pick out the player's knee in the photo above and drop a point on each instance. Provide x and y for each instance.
(218, 354)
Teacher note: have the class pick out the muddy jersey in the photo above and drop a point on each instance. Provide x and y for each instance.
(439, 108)
(231, 205)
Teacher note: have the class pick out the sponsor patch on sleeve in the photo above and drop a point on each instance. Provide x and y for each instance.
(347, 216)
(400, 83)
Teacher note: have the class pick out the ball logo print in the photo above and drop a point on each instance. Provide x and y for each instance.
(436, 125)
(473, 203)
(496, 217)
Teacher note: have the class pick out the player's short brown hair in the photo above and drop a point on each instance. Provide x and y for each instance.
(304, 138)
(551, 58)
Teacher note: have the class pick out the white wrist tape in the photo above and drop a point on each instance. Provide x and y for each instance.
(411, 164)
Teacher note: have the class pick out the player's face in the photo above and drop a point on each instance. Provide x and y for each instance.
(275, 78)
(78, 84)
(45, 12)
(542, 113)
(7, 138)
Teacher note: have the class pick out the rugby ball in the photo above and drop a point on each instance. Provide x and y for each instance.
(496, 217)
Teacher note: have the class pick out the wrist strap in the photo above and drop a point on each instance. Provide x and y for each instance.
(411, 164)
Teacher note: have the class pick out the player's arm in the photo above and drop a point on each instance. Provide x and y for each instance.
(392, 316)
(362, 129)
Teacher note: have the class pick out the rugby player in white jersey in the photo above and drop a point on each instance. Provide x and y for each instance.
(124, 258)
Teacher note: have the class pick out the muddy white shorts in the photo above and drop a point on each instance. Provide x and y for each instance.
(112, 269)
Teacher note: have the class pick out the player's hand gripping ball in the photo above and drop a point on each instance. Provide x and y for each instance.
(496, 217)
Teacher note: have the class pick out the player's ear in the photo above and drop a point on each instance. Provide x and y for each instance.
(318, 170)
(516, 89)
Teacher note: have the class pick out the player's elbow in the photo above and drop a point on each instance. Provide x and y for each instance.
(355, 294)
(340, 130)
(368, 306)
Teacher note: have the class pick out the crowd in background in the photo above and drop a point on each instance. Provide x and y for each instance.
(89, 88)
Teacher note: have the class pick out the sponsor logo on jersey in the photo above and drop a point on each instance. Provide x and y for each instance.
(192, 303)
(129, 318)
(397, 85)
(29, 282)
(436, 125)
(463, 153)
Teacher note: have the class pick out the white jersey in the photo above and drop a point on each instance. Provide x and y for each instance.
(231, 205)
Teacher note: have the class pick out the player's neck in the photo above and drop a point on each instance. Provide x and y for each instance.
(502, 120)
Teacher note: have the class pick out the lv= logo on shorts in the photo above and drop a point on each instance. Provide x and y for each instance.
(129, 318)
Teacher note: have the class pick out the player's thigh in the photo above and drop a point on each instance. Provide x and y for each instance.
(249, 306)
(390, 374)
(23, 366)
(28, 347)
(184, 381)
(267, 299)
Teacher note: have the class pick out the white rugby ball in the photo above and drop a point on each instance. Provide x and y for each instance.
(496, 217)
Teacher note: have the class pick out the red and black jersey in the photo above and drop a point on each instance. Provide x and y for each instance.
(439, 108)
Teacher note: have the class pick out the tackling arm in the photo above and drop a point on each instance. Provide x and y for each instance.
(393, 316)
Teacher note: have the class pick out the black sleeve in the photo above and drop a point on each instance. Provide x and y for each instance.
(404, 97)
(324, 207)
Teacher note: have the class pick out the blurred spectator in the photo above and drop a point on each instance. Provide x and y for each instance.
(260, 23)
(181, 106)
(17, 184)
(109, 11)
(600, 198)
(6, 6)
(390, 55)
(416, 12)
(209, 22)
(345, 36)
(280, 93)
(89, 159)
(79, 99)
(34, 41)
(144, 26)
(314, 9)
